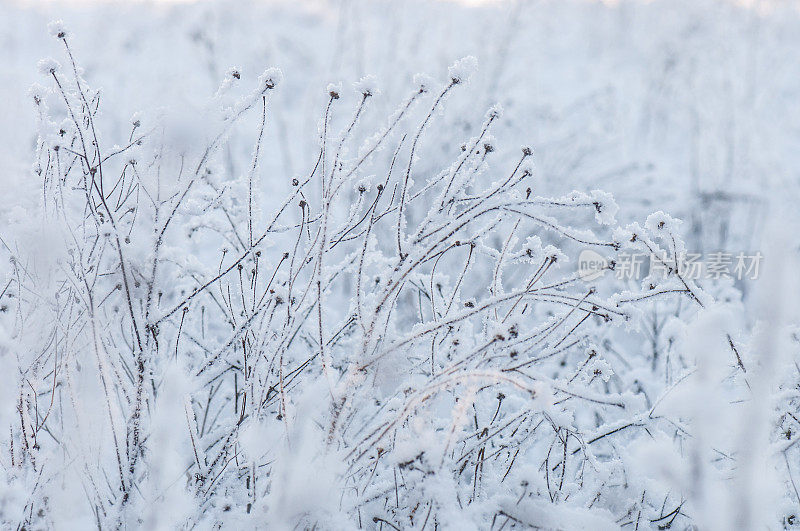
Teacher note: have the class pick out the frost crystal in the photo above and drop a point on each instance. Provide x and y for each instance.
(270, 79)
(461, 71)
(56, 29)
(220, 316)
(661, 223)
(605, 206)
(334, 90)
(48, 66)
(367, 85)
(422, 81)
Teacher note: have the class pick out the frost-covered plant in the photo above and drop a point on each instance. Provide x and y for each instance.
(395, 342)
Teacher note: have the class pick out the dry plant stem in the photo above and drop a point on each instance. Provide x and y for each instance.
(363, 318)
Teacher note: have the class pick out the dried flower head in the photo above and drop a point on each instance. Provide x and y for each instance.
(56, 29)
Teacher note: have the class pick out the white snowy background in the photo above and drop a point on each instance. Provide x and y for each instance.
(313, 264)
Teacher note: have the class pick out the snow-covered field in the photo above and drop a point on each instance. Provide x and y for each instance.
(388, 264)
